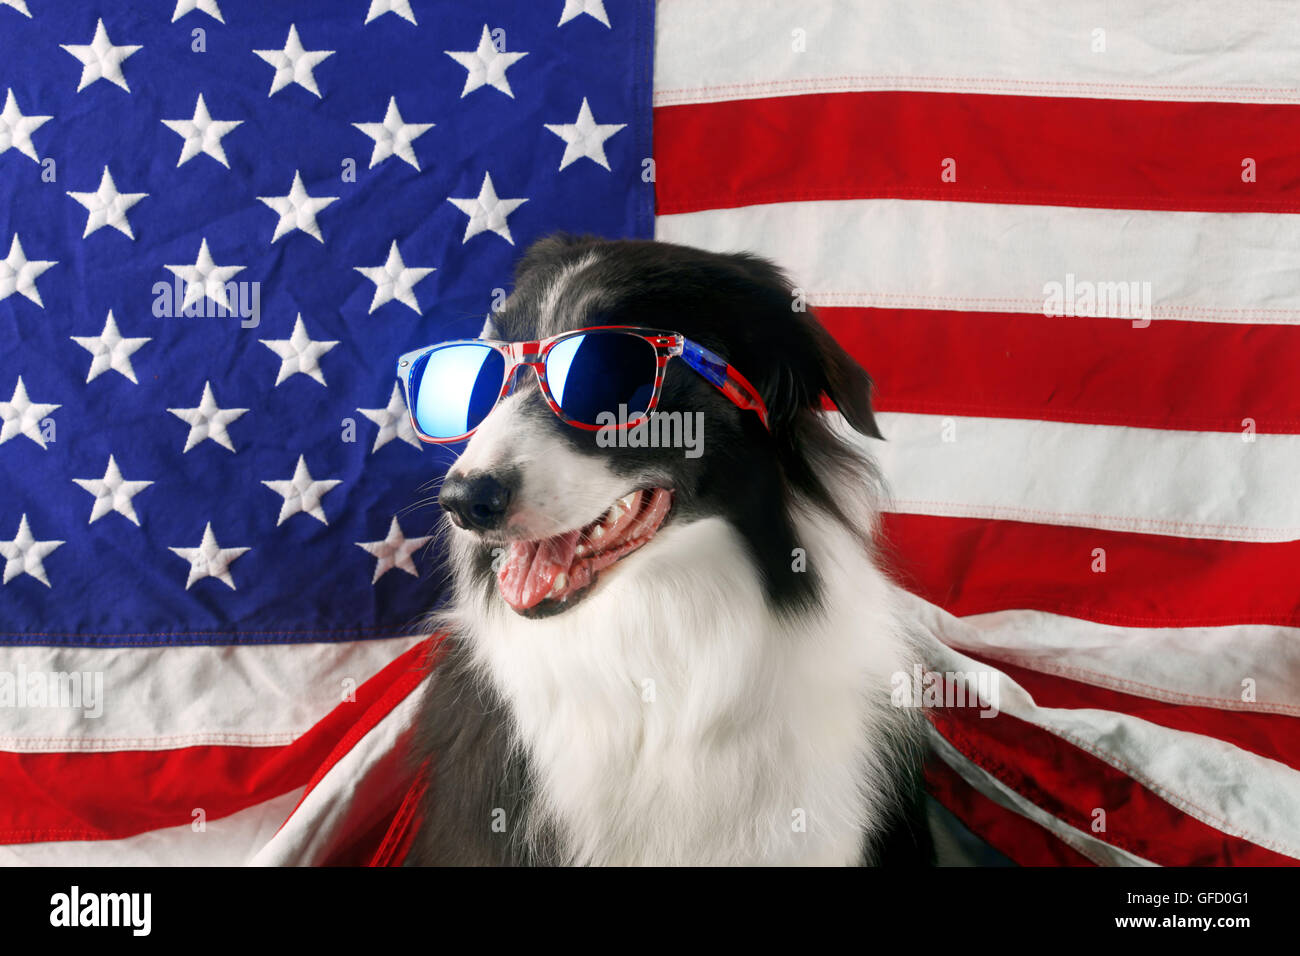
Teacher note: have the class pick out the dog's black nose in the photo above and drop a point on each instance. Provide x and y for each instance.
(476, 501)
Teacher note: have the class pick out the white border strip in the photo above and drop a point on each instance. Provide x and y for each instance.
(996, 257)
(1222, 50)
(1196, 666)
(1115, 478)
(162, 698)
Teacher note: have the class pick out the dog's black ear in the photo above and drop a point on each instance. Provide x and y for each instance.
(846, 383)
(810, 364)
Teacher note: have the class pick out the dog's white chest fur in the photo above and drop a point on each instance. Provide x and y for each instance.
(671, 718)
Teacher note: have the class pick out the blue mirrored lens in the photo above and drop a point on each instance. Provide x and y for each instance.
(598, 372)
(455, 387)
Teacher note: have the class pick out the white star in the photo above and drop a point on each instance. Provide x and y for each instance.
(585, 137)
(18, 273)
(400, 7)
(16, 129)
(301, 493)
(203, 6)
(395, 280)
(487, 65)
(24, 553)
(205, 279)
(21, 416)
(297, 210)
(107, 206)
(293, 64)
(298, 353)
(109, 351)
(208, 420)
(113, 493)
(100, 60)
(202, 134)
(487, 213)
(209, 560)
(19, 5)
(393, 421)
(393, 137)
(576, 8)
(394, 551)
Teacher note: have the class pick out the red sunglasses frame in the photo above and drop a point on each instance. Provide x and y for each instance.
(720, 373)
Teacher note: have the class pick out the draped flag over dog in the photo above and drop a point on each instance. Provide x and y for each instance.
(1062, 240)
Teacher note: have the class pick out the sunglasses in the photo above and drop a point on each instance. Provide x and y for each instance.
(607, 376)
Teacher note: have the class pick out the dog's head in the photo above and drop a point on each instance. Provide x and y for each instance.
(548, 510)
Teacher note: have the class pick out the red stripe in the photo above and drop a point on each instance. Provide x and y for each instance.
(1018, 838)
(372, 816)
(1201, 376)
(416, 664)
(1072, 785)
(974, 565)
(1054, 151)
(401, 831)
(104, 796)
(1275, 736)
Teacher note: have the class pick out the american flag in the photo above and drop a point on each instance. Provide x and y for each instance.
(1096, 496)
(223, 222)
(1061, 236)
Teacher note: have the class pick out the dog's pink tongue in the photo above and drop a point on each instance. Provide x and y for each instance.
(532, 566)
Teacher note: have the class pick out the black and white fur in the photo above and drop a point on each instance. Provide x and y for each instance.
(708, 701)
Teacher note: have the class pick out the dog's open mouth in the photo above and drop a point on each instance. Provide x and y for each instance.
(540, 577)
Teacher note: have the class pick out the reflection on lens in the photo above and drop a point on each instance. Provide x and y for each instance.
(599, 371)
(455, 387)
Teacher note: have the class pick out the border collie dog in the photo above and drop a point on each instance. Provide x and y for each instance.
(659, 655)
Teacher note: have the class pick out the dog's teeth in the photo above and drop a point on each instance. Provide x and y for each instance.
(557, 586)
(627, 501)
(581, 549)
(598, 531)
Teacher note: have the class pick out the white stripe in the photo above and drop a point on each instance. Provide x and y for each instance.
(1197, 666)
(161, 698)
(229, 841)
(1152, 481)
(1202, 776)
(1226, 50)
(1202, 267)
(1100, 852)
(344, 802)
